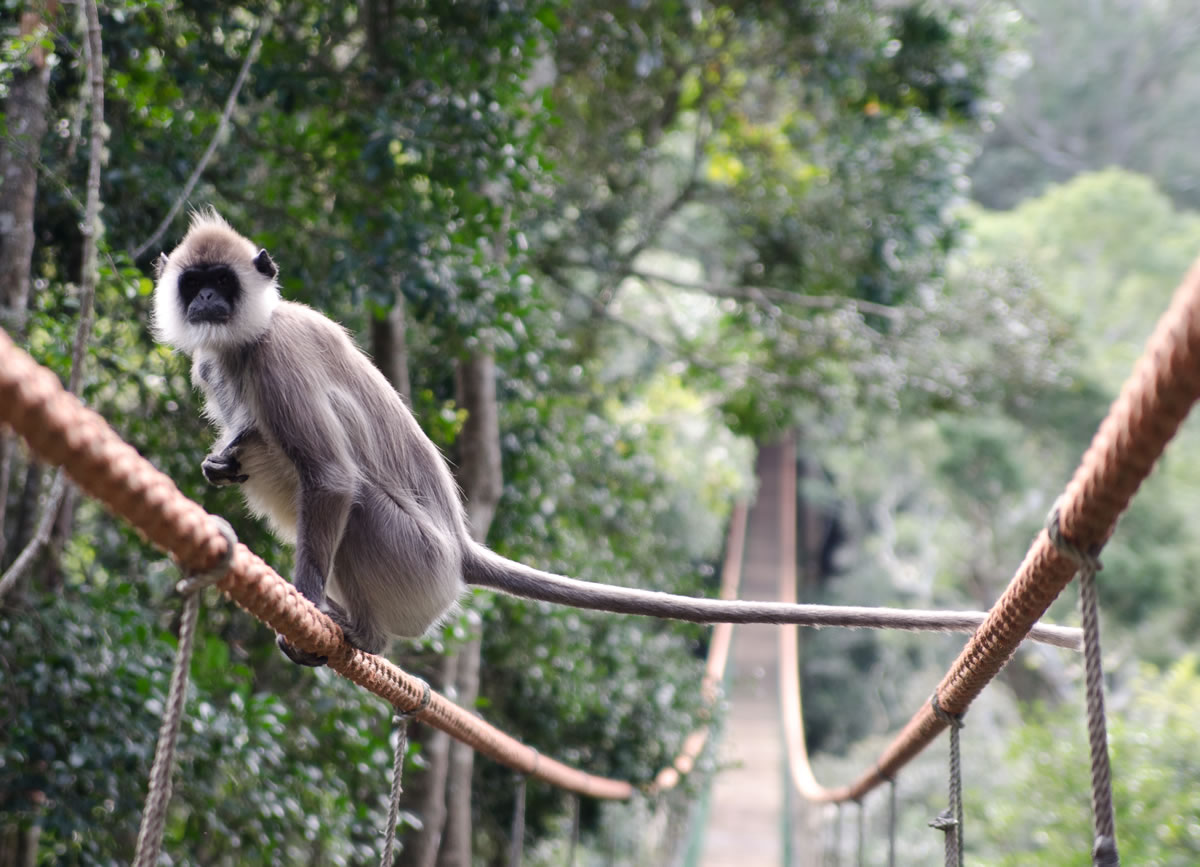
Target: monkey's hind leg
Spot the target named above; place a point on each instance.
(361, 635)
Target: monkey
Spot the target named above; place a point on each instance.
(324, 448)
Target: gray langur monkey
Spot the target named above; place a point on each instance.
(326, 450)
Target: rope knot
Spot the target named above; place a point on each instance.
(1083, 558)
(953, 720)
(194, 582)
(402, 716)
(1104, 852)
(944, 821)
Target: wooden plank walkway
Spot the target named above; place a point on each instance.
(748, 813)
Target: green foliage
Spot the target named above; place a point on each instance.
(1108, 247)
(1094, 84)
(807, 152)
(85, 680)
(1040, 812)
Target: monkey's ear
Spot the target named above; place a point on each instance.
(264, 264)
(159, 264)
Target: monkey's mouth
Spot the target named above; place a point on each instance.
(209, 316)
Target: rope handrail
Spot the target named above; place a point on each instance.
(60, 429)
(64, 432)
(1153, 402)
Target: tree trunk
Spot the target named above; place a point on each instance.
(482, 482)
(27, 506)
(427, 796)
(424, 792)
(389, 348)
(25, 114)
(8, 448)
(19, 845)
(88, 277)
(479, 472)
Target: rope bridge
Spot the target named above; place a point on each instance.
(1164, 385)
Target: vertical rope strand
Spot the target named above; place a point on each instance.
(956, 801)
(1104, 826)
(861, 846)
(389, 839)
(1104, 849)
(517, 847)
(575, 807)
(835, 849)
(400, 721)
(892, 822)
(158, 796)
(154, 814)
(950, 820)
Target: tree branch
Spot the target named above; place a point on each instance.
(87, 290)
(222, 124)
(760, 294)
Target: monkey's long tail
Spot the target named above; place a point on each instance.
(485, 568)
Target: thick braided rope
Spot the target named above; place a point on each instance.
(1154, 401)
(1104, 826)
(158, 796)
(400, 720)
(62, 431)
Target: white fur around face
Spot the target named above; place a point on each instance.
(210, 240)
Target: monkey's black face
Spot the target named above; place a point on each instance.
(209, 293)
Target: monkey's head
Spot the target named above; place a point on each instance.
(216, 290)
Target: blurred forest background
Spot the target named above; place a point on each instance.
(930, 236)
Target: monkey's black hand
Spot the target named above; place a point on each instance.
(223, 469)
(298, 656)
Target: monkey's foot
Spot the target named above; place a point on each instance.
(223, 469)
(368, 641)
(298, 656)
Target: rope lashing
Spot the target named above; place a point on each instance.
(1104, 847)
(154, 814)
(951, 820)
(400, 721)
